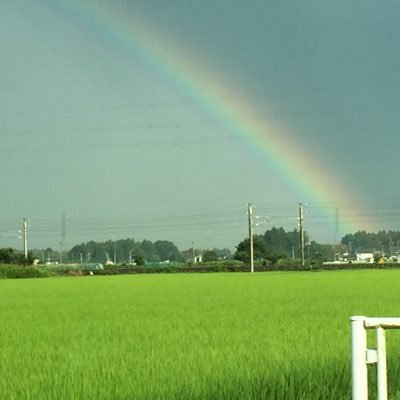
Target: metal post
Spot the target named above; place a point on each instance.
(361, 356)
(382, 369)
(358, 358)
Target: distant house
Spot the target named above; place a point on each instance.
(365, 257)
(198, 259)
(342, 257)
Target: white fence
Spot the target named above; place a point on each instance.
(361, 356)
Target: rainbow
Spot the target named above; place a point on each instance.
(266, 139)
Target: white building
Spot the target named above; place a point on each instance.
(365, 257)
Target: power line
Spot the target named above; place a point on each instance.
(190, 224)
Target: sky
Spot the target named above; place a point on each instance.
(162, 120)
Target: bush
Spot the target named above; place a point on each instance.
(19, 271)
(12, 256)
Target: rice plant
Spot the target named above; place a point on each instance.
(272, 336)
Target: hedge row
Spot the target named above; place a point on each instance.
(20, 271)
(115, 270)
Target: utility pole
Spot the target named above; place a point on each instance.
(250, 218)
(63, 235)
(115, 251)
(130, 256)
(301, 223)
(25, 237)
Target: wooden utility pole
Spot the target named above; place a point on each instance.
(301, 223)
(25, 237)
(250, 219)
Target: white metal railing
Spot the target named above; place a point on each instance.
(361, 356)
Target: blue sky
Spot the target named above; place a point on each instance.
(90, 130)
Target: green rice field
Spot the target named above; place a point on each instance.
(190, 336)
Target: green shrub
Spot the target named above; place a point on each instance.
(19, 271)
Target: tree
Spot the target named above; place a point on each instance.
(7, 255)
(223, 253)
(11, 256)
(274, 245)
(149, 250)
(139, 260)
(259, 248)
(167, 251)
(382, 241)
(124, 250)
(210, 255)
(360, 240)
(322, 252)
(279, 241)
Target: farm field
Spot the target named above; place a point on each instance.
(189, 336)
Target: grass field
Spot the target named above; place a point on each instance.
(188, 336)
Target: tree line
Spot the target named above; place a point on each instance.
(125, 251)
(385, 242)
(275, 245)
